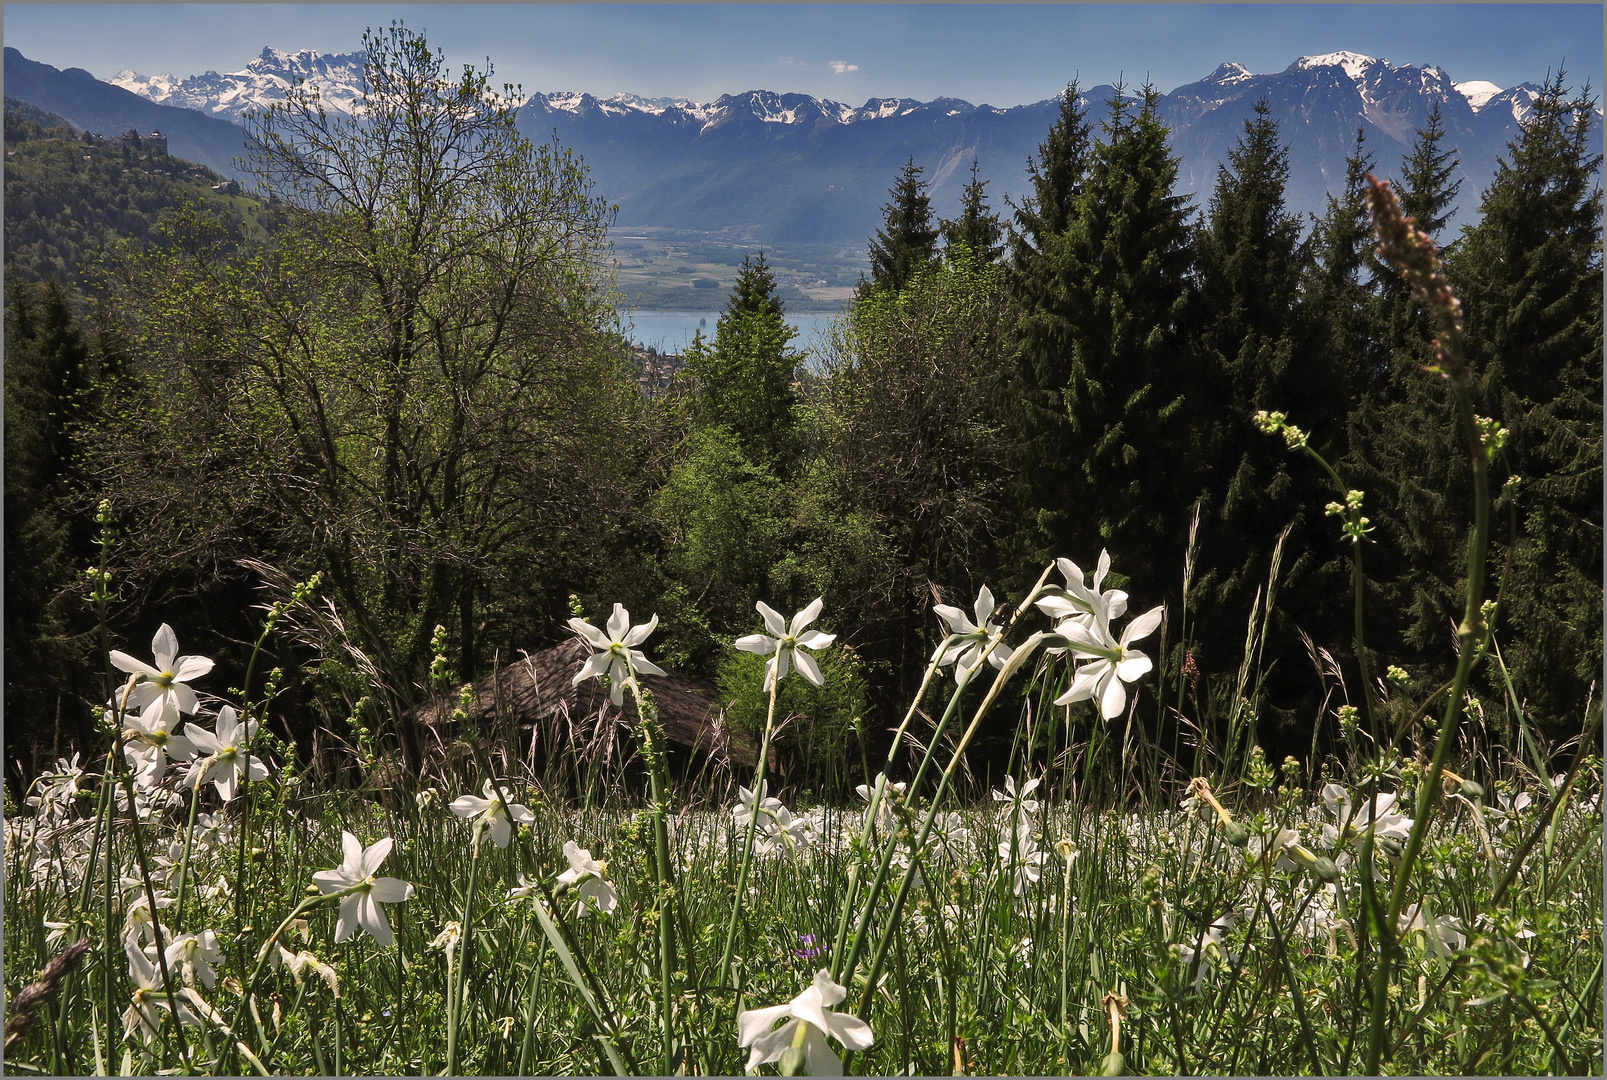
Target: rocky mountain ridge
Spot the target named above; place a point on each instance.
(766, 166)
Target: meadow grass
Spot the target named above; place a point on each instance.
(1410, 902)
(1032, 922)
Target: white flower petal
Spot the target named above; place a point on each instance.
(773, 620)
(618, 623)
(808, 668)
(389, 890)
(639, 634)
(807, 615)
(757, 643)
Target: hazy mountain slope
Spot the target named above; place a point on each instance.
(104, 109)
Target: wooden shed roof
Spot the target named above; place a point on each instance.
(537, 689)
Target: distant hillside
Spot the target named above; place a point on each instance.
(91, 105)
(67, 201)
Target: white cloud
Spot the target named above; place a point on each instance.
(839, 67)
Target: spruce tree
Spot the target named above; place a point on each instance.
(1056, 175)
(1427, 195)
(1426, 191)
(1040, 455)
(977, 230)
(48, 378)
(1530, 278)
(1343, 286)
(1125, 275)
(1254, 345)
(745, 376)
(1528, 275)
(907, 243)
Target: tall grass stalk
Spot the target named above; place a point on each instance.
(740, 898)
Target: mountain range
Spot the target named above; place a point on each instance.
(773, 167)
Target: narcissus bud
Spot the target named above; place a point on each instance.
(1115, 1064)
(1325, 868)
(1235, 834)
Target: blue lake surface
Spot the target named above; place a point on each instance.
(671, 331)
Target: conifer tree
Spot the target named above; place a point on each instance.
(908, 241)
(1254, 342)
(1426, 191)
(1427, 195)
(1056, 175)
(1343, 287)
(1530, 278)
(745, 377)
(48, 377)
(977, 229)
(1124, 271)
(1040, 455)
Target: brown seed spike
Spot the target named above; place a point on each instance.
(1415, 256)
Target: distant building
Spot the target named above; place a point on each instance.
(155, 142)
(228, 187)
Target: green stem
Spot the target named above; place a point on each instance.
(126, 779)
(1470, 635)
(454, 1006)
(663, 870)
(878, 791)
(748, 842)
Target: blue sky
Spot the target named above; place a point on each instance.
(996, 54)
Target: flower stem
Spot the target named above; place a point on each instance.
(663, 872)
(455, 989)
(747, 846)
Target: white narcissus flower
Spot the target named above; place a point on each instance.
(974, 637)
(743, 810)
(1111, 662)
(1441, 933)
(1081, 603)
(1029, 806)
(617, 655)
(149, 741)
(493, 812)
(225, 760)
(149, 996)
(1378, 814)
(168, 677)
(1208, 949)
(784, 641)
(588, 873)
(811, 1007)
(193, 956)
(362, 908)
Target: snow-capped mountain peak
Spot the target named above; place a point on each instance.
(338, 78)
(1355, 65)
(1478, 92)
(1229, 73)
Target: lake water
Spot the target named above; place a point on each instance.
(671, 331)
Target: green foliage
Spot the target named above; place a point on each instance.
(1125, 372)
(908, 241)
(911, 421)
(977, 232)
(50, 372)
(405, 389)
(744, 379)
(815, 740)
(725, 522)
(1528, 276)
(1255, 339)
(67, 202)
